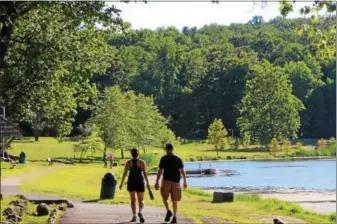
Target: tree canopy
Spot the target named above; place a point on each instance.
(56, 62)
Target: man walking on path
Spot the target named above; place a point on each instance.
(173, 169)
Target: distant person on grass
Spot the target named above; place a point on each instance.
(105, 161)
(173, 168)
(136, 183)
(111, 159)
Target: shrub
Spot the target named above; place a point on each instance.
(246, 140)
(274, 145)
(322, 144)
(299, 145)
(151, 159)
(286, 145)
(332, 141)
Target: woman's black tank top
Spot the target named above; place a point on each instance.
(136, 173)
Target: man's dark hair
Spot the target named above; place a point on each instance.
(134, 153)
(169, 146)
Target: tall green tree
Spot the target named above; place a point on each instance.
(269, 109)
(217, 135)
(51, 54)
(126, 120)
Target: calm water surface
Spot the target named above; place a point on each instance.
(305, 175)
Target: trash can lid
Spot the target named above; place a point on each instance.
(109, 176)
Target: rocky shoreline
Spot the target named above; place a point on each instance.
(321, 201)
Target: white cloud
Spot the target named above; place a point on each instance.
(179, 14)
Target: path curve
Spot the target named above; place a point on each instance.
(88, 213)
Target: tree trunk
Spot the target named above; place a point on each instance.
(37, 134)
(122, 153)
(81, 156)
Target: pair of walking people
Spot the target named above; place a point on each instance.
(172, 169)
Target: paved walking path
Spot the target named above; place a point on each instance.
(88, 213)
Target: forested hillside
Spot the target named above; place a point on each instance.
(197, 75)
(56, 63)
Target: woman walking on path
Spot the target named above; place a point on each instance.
(136, 183)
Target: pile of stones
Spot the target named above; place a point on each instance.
(13, 214)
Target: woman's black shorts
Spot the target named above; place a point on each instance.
(136, 187)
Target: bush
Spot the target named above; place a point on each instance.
(246, 140)
(150, 159)
(274, 145)
(332, 141)
(299, 145)
(286, 146)
(322, 144)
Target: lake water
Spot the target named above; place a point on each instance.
(304, 175)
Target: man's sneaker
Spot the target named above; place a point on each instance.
(168, 216)
(134, 219)
(174, 220)
(141, 218)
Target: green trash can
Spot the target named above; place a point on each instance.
(108, 187)
(22, 157)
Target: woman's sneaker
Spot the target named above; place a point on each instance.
(174, 220)
(134, 219)
(168, 216)
(141, 218)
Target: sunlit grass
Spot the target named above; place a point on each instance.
(19, 169)
(193, 151)
(84, 182)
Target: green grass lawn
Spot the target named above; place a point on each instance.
(84, 181)
(194, 151)
(44, 148)
(19, 169)
(29, 216)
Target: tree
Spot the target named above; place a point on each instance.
(126, 120)
(269, 109)
(55, 49)
(149, 123)
(112, 117)
(217, 135)
(92, 144)
(324, 39)
(75, 13)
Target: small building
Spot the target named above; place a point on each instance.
(8, 132)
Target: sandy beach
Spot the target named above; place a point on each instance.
(317, 201)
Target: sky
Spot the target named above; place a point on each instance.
(179, 14)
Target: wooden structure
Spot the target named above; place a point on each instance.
(219, 197)
(203, 172)
(8, 132)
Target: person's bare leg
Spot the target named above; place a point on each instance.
(133, 205)
(166, 203)
(140, 197)
(175, 208)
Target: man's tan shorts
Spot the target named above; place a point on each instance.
(170, 188)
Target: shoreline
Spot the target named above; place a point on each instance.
(317, 158)
(320, 201)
